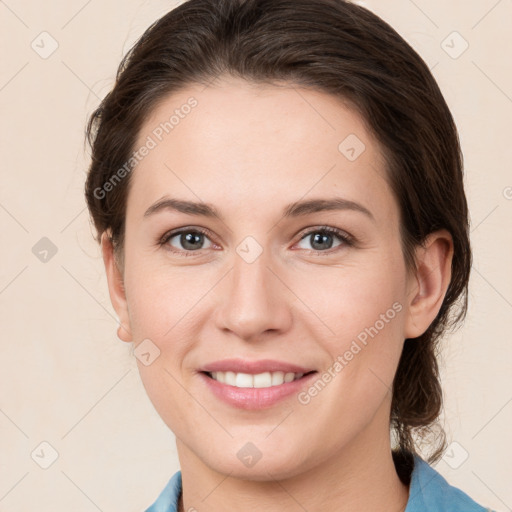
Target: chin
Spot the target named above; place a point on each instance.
(247, 462)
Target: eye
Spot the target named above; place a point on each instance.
(321, 239)
(186, 240)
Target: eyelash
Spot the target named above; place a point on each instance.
(346, 239)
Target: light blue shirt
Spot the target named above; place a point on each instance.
(428, 492)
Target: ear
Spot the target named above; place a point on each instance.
(116, 288)
(430, 282)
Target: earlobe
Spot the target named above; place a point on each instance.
(116, 288)
(431, 281)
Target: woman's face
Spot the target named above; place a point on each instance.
(261, 288)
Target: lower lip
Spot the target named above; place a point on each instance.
(255, 398)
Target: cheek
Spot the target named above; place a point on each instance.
(350, 298)
(163, 299)
(364, 351)
(362, 313)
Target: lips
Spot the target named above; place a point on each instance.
(254, 384)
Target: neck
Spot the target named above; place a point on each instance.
(357, 478)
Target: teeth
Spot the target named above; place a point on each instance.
(243, 380)
(230, 378)
(277, 378)
(260, 380)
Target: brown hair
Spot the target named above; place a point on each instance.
(341, 49)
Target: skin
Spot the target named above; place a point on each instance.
(250, 151)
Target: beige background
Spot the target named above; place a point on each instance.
(65, 378)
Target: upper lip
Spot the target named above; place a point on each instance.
(254, 367)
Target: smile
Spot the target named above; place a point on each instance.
(246, 395)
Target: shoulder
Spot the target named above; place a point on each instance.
(430, 491)
(167, 500)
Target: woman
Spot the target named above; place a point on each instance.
(277, 188)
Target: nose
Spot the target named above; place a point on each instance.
(255, 302)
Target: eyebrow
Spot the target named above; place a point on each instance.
(296, 209)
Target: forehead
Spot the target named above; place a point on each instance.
(237, 143)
